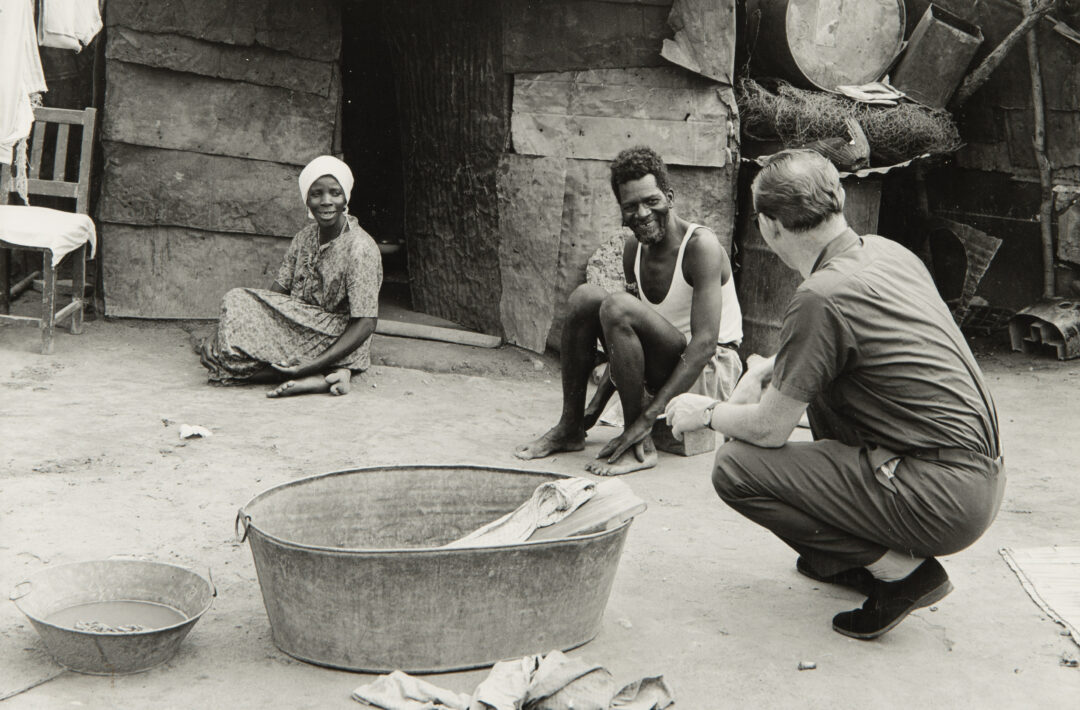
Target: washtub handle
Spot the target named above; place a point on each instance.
(210, 577)
(15, 595)
(243, 520)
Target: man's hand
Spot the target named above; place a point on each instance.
(633, 434)
(757, 377)
(686, 412)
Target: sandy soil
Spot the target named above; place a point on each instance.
(91, 466)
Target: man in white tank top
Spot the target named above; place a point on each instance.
(674, 331)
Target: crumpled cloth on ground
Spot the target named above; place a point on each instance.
(400, 691)
(551, 682)
(68, 24)
(60, 231)
(550, 502)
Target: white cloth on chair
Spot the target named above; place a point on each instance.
(62, 232)
(21, 76)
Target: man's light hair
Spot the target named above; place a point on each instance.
(798, 187)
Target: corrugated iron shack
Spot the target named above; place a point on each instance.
(479, 132)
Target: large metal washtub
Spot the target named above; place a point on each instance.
(352, 575)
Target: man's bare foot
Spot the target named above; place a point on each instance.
(643, 457)
(340, 381)
(304, 385)
(554, 441)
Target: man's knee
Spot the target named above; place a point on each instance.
(730, 477)
(618, 309)
(585, 298)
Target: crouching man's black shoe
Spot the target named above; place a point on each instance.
(890, 602)
(857, 578)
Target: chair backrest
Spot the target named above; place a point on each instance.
(52, 136)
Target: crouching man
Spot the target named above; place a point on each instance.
(906, 464)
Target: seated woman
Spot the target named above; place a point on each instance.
(312, 330)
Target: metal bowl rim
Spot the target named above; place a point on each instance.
(250, 525)
(180, 624)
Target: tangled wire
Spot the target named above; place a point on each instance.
(798, 116)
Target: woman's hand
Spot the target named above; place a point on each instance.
(686, 412)
(289, 370)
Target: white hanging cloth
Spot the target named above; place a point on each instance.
(68, 24)
(22, 74)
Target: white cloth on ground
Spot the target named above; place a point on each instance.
(68, 24)
(400, 691)
(537, 682)
(60, 231)
(550, 502)
(21, 76)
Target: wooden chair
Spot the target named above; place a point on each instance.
(56, 185)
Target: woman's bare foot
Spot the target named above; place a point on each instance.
(304, 385)
(340, 381)
(643, 457)
(554, 441)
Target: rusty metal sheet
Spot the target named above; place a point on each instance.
(574, 34)
(150, 272)
(530, 194)
(309, 29)
(180, 111)
(704, 40)
(150, 186)
(593, 115)
(254, 65)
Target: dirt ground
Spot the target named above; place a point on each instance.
(91, 466)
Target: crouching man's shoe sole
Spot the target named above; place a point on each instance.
(890, 602)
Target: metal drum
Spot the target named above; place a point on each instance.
(822, 44)
(352, 574)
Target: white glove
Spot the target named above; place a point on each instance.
(686, 412)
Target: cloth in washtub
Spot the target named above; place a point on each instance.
(551, 682)
(550, 502)
(62, 232)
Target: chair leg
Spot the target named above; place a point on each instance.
(5, 281)
(78, 288)
(48, 303)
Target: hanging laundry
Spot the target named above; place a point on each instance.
(22, 74)
(68, 24)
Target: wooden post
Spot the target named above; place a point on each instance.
(1046, 180)
(978, 77)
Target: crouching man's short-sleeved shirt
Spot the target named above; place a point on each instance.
(868, 332)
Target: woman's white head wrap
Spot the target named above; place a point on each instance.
(325, 165)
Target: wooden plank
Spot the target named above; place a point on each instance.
(37, 144)
(530, 221)
(60, 156)
(165, 109)
(310, 29)
(53, 189)
(167, 272)
(560, 35)
(150, 186)
(594, 115)
(423, 331)
(704, 40)
(454, 114)
(254, 65)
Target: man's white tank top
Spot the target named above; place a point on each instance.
(675, 308)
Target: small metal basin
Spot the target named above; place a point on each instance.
(353, 577)
(53, 592)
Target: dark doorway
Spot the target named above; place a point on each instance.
(371, 139)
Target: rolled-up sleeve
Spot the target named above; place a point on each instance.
(816, 346)
(363, 279)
